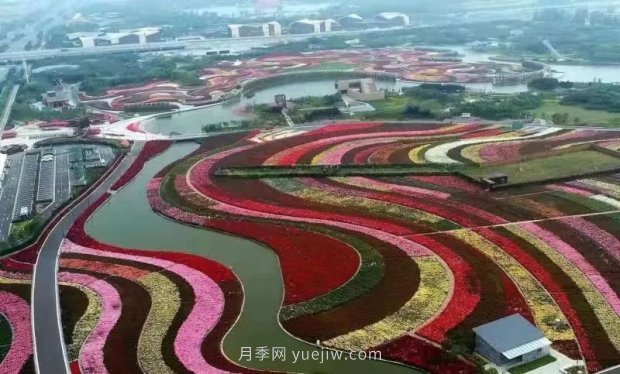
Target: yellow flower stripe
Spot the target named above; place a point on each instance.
(542, 305)
(416, 155)
(319, 158)
(165, 303)
(87, 322)
(435, 284)
(373, 206)
(603, 311)
(473, 153)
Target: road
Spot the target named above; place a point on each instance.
(218, 44)
(8, 193)
(6, 113)
(50, 354)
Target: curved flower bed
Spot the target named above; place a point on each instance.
(133, 327)
(427, 301)
(150, 150)
(447, 255)
(16, 310)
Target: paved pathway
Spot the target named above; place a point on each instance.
(49, 349)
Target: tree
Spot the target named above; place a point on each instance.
(544, 84)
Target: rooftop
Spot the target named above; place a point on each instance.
(512, 336)
(390, 15)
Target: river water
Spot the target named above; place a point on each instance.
(127, 220)
(192, 122)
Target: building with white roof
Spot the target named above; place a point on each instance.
(352, 20)
(511, 341)
(312, 26)
(142, 35)
(393, 19)
(272, 28)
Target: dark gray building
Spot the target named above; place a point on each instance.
(511, 341)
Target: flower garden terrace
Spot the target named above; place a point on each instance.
(226, 77)
(403, 264)
(408, 264)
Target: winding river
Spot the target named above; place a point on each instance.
(127, 220)
(192, 121)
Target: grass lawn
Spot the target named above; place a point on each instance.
(393, 106)
(533, 365)
(585, 116)
(550, 167)
(327, 66)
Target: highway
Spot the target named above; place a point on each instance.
(6, 113)
(218, 44)
(50, 355)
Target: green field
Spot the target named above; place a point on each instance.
(583, 116)
(533, 365)
(327, 66)
(394, 106)
(566, 165)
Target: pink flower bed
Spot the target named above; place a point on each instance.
(452, 182)
(135, 127)
(570, 190)
(290, 156)
(602, 238)
(91, 353)
(17, 312)
(207, 310)
(161, 206)
(578, 260)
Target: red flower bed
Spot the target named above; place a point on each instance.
(552, 285)
(312, 264)
(75, 367)
(414, 351)
(150, 150)
(483, 133)
(263, 198)
(465, 297)
(217, 272)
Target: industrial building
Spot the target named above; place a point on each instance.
(143, 35)
(511, 341)
(351, 21)
(392, 19)
(313, 26)
(255, 30)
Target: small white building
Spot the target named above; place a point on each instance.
(511, 341)
(312, 26)
(394, 19)
(352, 20)
(272, 28)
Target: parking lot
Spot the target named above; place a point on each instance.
(40, 181)
(8, 193)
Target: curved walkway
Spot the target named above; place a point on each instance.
(50, 354)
